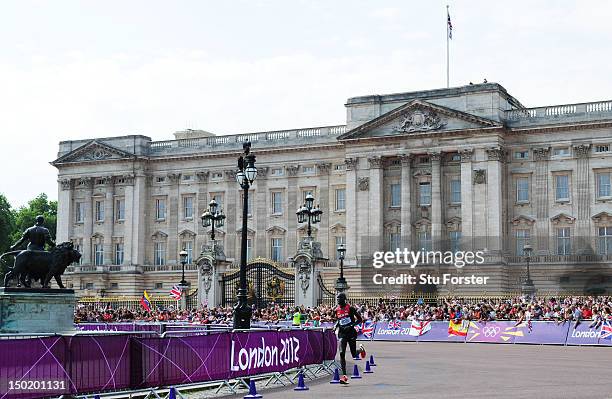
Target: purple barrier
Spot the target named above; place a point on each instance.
(499, 332)
(542, 332)
(36, 359)
(99, 363)
(439, 331)
(85, 364)
(583, 335)
(395, 330)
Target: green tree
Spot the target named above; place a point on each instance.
(26, 216)
(7, 226)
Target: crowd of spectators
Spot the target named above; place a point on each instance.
(519, 309)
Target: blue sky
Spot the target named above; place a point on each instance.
(84, 69)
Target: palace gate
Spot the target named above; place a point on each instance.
(266, 283)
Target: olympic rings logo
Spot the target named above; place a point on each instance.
(490, 331)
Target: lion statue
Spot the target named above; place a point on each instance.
(42, 265)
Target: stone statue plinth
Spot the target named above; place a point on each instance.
(31, 310)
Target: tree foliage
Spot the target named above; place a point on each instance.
(7, 227)
(26, 216)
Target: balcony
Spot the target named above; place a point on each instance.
(559, 114)
(315, 135)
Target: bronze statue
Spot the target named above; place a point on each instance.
(37, 235)
(36, 264)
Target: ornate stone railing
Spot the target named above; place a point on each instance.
(235, 141)
(567, 259)
(588, 111)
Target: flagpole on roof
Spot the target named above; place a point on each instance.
(448, 33)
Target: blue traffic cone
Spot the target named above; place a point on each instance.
(367, 370)
(253, 392)
(96, 396)
(372, 361)
(301, 386)
(355, 372)
(171, 394)
(336, 379)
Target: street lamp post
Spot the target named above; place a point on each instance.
(213, 217)
(309, 213)
(183, 254)
(245, 176)
(341, 284)
(528, 287)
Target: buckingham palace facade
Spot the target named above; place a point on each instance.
(464, 167)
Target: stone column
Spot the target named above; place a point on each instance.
(583, 200)
(233, 206)
(139, 203)
(406, 217)
(351, 210)
(128, 225)
(495, 181)
(65, 217)
(306, 285)
(467, 198)
(87, 183)
(323, 198)
(376, 204)
(202, 205)
(541, 156)
(436, 200)
(262, 210)
(173, 215)
(292, 204)
(109, 220)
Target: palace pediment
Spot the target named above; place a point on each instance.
(94, 151)
(416, 118)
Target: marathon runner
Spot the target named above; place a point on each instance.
(346, 320)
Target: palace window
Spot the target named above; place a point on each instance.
(603, 185)
(160, 209)
(425, 194)
(80, 212)
(159, 253)
(562, 188)
(424, 240)
(522, 189)
(188, 207)
(120, 210)
(396, 195)
(561, 152)
(187, 178)
(98, 254)
(340, 240)
(395, 241)
(249, 203)
(114, 286)
(277, 172)
(604, 246)
(602, 148)
(159, 286)
(218, 197)
(455, 157)
(79, 248)
(522, 239)
(340, 199)
(99, 211)
(340, 167)
(276, 250)
(521, 154)
(188, 247)
(277, 203)
(160, 179)
(119, 253)
(455, 191)
(563, 241)
(454, 241)
(308, 170)
(249, 248)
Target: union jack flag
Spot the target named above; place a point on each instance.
(176, 292)
(366, 329)
(394, 325)
(606, 330)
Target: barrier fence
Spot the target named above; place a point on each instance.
(500, 332)
(84, 364)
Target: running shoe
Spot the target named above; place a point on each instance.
(344, 380)
(362, 351)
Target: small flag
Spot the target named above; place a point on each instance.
(450, 25)
(606, 330)
(458, 327)
(176, 292)
(145, 301)
(394, 325)
(419, 328)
